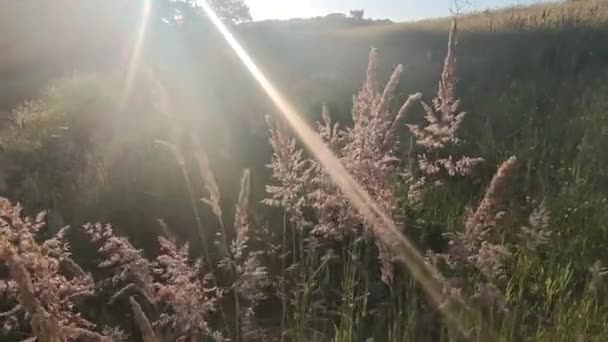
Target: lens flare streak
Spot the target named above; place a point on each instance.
(136, 52)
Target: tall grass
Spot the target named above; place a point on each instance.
(518, 241)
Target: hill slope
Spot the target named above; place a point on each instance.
(524, 73)
(126, 145)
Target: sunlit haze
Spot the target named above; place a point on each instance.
(397, 10)
(303, 170)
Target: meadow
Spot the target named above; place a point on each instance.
(478, 140)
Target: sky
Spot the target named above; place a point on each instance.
(396, 10)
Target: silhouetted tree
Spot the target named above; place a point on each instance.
(357, 14)
(175, 11)
(234, 10)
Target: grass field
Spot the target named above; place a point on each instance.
(507, 204)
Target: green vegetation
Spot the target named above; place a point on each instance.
(158, 151)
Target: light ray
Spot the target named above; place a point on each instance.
(136, 52)
(358, 197)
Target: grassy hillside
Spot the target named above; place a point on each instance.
(545, 38)
(522, 239)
